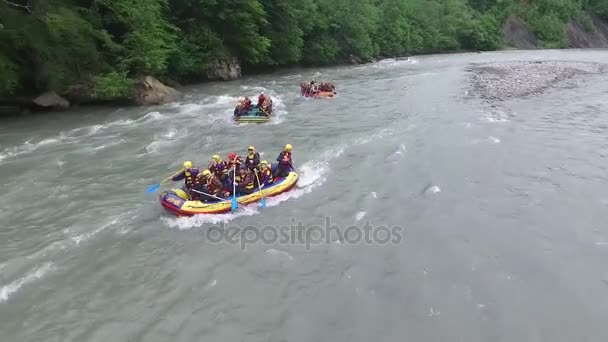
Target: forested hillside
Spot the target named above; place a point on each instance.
(53, 44)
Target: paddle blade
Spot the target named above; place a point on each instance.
(234, 203)
(153, 188)
(263, 203)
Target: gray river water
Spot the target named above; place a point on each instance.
(497, 215)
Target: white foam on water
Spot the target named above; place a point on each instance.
(374, 194)
(433, 189)
(360, 215)
(497, 116)
(221, 100)
(36, 274)
(185, 223)
(152, 116)
(279, 253)
(88, 235)
(170, 134)
(494, 140)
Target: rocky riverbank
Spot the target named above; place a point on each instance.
(508, 80)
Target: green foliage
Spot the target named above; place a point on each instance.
(113, 85)
(585, 21)
(60, 42)
(9, 78)
(550, 30)
(599, 8)
(485, 34)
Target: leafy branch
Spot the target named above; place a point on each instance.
(26, 7)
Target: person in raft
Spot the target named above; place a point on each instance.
(243, 107)
(252, 161)
(234, 162)
(188, 174)
(245, 181)
(216, 160)
(265, 174)
(285, 162)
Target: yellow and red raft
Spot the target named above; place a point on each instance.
(176, 200)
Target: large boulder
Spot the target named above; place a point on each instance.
(82, 92)
(51, 100)
(224, 69)
(150, 91)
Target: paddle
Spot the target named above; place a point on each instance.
(204, 193)
(262, 200)
(152, 188)
(235, 204)
(293, 168)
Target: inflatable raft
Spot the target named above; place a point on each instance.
(253, 115)
(176, 200)
(324, 95)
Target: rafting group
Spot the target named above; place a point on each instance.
(234, 177)
(317, 90)
(245, 111)
(224, 184)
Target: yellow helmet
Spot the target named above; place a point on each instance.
(288, 147)
(264, 162)
(188, 164)
(251, 148)
(206, 173)
(216, 157)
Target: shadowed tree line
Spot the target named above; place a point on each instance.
(52, 44)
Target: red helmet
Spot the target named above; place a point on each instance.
(231, 155)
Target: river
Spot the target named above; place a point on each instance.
(496, 214)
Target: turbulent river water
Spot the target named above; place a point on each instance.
(495, 214)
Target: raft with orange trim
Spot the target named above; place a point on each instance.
(176, 200)
(324, 95)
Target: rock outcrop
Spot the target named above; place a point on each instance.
(578, 37)
(150, 91)
(224, 69)
(517, 34)
(51, 100)
(82, 92)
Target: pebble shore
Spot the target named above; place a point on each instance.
(509, 80)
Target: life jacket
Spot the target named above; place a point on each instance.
(249, 186)
(188, 178)
(250, 158)
(267, 176)
(211, 185)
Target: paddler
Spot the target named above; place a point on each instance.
(215, 161)
(265, 174)
(187, 174)
(234, 161)
(252, 161)
(214, 186)
(285, 163)
(245, 182)
(261, 100)
(200, 185)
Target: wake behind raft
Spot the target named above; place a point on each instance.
(176, 200)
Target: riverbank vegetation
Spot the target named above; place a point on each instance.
(108, 44)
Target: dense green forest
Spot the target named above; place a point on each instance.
(51, 44)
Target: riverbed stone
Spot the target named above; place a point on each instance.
(51, 99)
(224, 69)
(151, 91)
(509, 80)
